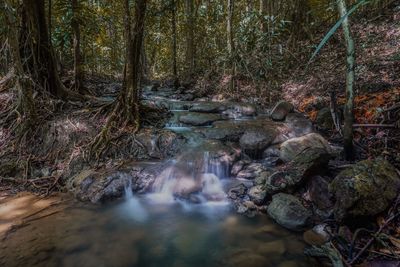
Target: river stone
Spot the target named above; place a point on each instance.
(208, 107)
(308, 163)
(293, 147)
(255, 141)
(324, 119)
(257, 194)
(320, 196)
(199, 119)
(298, 124)
(250, 171)
(280, 110)
(237, 191)
(289, 212)
(365, 189)
(224, 131)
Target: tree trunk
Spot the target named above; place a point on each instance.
(173, 25)
(130, 99)
(37, 53)
(230, 44)
(189, 10)
(78, 67)
(49, 18)
(349, 106)
(263, 12)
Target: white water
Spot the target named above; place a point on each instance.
(191, 180)
(132, 207)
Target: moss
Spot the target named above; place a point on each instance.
(367, 188)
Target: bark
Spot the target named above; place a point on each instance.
(36, 51)
(189, 10)
(349, 105)
(230, 44)
(78, 66)
(173, 25)
(49, 18)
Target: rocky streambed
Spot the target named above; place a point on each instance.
(270, 165)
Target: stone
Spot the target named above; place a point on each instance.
(281, 110)
(324, 119)
(316, 236)
(250, 171)
(293, 147)
(257, 194)
(199, 119)
(237, 191)
(255, 141)
(365, 189)
(208, 107)
(308, 163)
(238, 166)
(319, 194)
(298, 124)
(289, 212)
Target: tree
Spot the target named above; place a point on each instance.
(78, 66)
(230, 43)
(189, 10)
(126, 111)
(263, 12)
(174, 52)
(37, 52)
(349, 106)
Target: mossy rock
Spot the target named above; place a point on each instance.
(365, 189)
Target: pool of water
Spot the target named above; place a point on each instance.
(140, 232)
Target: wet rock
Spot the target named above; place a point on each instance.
(250, 171)
(255, 141)
(224, 131)
(208, 107)
(281, 110)
(319, 194)
(365, 189)
(200, 119)
(299, 125)
(237, 191)
(303, 166)
(317, 235)
(238, 166)
(288, 211)
(257, 194)
(262, 177)
(324, 119)
(272, 152)
(293, 147)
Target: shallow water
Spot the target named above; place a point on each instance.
(138, 232)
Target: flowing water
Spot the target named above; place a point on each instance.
(186, 221)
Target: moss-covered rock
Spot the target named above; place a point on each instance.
(365, 189)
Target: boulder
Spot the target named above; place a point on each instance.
(255, 141)
(319, 194)
(208, 107)
(238, 191)
(224, 131)
(324, 119)
(293, 147)
(365, 189)
(250, 171)
(281, 110)
(308, 163)
(257, 194)
(289, 212)
(298, 125)
(199, 119)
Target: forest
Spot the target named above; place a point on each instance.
(200, 133)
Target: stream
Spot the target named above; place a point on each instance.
(186, 220)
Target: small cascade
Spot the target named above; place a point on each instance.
(194, 178)
(132, 206)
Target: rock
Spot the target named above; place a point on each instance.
(316, 236)
(365, 189)
(272, 152)
(262, 177)
(293, 147)
(272, 248)
(250, 171)
(257, 194)
(288, 211)
(324, 119)
(302, 167)
(200, 119)
(224, 131)
(237, 191)
(280, 110)
(208, 107)
(235, 110)
(298, 124)
(255, 141)
(320, 196)
(238, 166)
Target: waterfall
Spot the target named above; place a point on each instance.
(132, 206)
(194, 177)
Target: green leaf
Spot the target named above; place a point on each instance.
(335, 27)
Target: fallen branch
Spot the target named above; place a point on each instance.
(374, 126)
